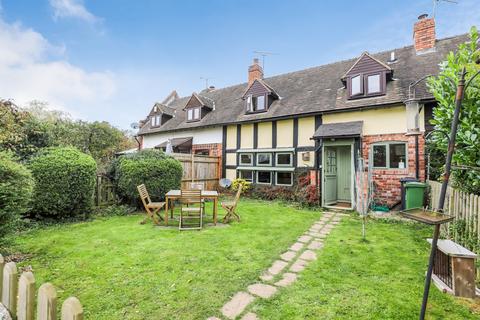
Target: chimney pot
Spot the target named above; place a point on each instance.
(422, 16)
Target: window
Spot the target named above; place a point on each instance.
(264, 177)
(246, 158)
(284, 159)
(284, 178)
(373, 84)
(391, 155)
(264, 159)
(193, 114)
(246, 175)
(356, 84)
(256, 104)
(152, 121)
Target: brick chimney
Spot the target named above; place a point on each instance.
(255, 71)
(424, 33)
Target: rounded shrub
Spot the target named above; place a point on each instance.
(64, 182)
(158, 171)
(16, 186)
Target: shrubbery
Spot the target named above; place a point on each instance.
(159, 172)
(16, 186)
(241, 182)
(64, 182)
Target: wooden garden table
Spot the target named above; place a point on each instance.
(172, 195)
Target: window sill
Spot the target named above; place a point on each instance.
(255, 112)
(363, 96)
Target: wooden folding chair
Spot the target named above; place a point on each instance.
(231, 206)
(152, 208)
(191, 212)
(199, 186)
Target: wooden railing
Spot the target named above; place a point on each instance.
(466, 210)
(18, 297)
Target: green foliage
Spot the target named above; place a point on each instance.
(64, 182)
(159, 172)
(16, 186)
(467, 151)
(244, 184)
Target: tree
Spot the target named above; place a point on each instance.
(443, 87)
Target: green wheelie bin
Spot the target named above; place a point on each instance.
(414, 195)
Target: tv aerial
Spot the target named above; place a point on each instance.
(206, 81)
(436, 2)
(264, 54)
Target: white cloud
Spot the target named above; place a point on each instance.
(72, 9)
(31, 68)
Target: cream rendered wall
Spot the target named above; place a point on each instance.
(231, 174)
(246, 141)
(231, 137)
(375, 121)
(264, 135)
(285, 133)
(200, 136)
(309, 163)
(306, 129)
(231, 159)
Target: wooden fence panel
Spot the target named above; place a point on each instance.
(47, 302)
(10, 288)
(196, 168)
(26, 296)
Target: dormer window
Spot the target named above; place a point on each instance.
(156, 120)
(256, 103)
(367, 77)
(193, 114)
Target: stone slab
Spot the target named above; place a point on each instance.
(277, 267)
(288, 279)
(237, 305)
(250, 316)
(213, 318)
(298, 266)
(264, 291)
(266, 276)
(304, 239)
(288, 256)
(308, 255)
(315, 245)
(297, 246)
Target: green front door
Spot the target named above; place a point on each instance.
(344, 173)
(330, 171)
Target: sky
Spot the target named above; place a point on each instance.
(113, 59)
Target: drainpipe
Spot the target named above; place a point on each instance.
(413, 109)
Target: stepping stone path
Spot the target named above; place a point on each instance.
(297, 257)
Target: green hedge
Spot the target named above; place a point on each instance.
(158, 171)
(64, 182)
(16, 186)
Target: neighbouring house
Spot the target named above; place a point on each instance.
(318, 121)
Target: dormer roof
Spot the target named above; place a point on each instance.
(366, 63)
(197, 100)
(259, 86)
(163, 109)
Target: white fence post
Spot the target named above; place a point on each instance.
(47, 302)
(10, 288)
(2, 264)
(72, 309)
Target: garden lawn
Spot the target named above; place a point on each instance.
(120, 269)
(379, 279)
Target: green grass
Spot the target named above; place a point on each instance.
(120, 269)
(382, 278)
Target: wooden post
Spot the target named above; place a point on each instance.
(26, 296)
(47, 302)
(10, 288)
(72, 309)
(2, 264)
(193, 170)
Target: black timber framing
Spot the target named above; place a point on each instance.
(224, 151)
(274, 134)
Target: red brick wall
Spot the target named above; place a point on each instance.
(387, 181)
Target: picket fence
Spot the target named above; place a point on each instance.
(18, 297)
(464, 207)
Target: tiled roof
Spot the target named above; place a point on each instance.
(342, 129)
(316, 90)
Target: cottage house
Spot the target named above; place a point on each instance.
(317, 121)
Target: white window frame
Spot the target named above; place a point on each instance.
(282, 184)
(387, 154)
(240, 159)
(265, 183)
(379, 83)
(284, 165)
(158, 120)
(241, 177)
(264, 165)
(360, 79)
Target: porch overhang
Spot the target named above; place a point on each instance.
(339, 130)
(176, 142)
